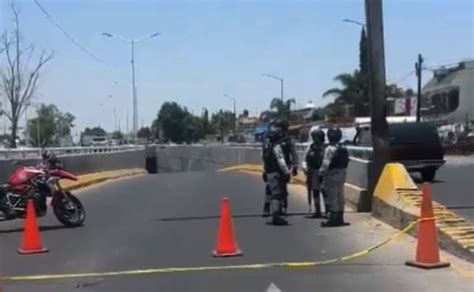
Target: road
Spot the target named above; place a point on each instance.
(170, 220)
(454, 186)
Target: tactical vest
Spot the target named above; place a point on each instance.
(340, 159)
(285, 144)
(270, 163)
(314, 157)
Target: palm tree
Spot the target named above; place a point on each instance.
(351, 92)
(282, 108)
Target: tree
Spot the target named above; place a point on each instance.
(19, 80)
(350, 93)
(282, 108)
(245, 113)
(392, 90)
(96, 131)
(171, 121)
(223, 122)
(118, 135)
(144, 133)
(49, 126)
(155, 129)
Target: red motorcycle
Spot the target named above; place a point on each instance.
(38, 183)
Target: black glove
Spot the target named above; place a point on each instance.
(294, 171)
(286, 178)
(264, 177)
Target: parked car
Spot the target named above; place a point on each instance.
(100, 141)
(416, 145)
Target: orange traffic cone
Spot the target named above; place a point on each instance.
(226, 245)
(31, 242)
(427, 251)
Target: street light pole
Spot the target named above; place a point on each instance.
(354, 22)
(281, 89)
(134, 93)
(235, 113)
(281, 83)
(132, 43)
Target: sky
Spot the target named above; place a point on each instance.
(207, 49)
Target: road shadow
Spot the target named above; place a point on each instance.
(41, 228)
(459, 207)
(419, 180)
(237, 216)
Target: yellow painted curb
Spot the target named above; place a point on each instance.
(397, 200)
(257, 169)
(98, 177)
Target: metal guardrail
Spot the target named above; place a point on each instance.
(25, 153)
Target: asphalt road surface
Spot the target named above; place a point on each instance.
(170, 220)
(454, 186)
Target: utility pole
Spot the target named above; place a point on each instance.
(379, 126)
(418, 68)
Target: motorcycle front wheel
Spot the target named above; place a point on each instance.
(69, 210)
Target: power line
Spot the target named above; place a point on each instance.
(66, 34)
(403, 77)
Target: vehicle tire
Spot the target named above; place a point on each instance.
(428, 174)
(69, 211)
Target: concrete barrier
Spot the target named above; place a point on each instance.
(358, 187)
(397, 202)
(85, 163)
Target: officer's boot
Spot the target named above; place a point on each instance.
(327, 211)
(266, 210)
(277, 218)
(340, 219)
(332, 221)
(317, 211)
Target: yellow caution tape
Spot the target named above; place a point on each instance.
(214, 268)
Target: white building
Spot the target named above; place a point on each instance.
(449, 95)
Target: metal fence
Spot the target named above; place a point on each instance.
(25, 153)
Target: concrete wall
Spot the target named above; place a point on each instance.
(197, 158)
(85, 163)
(358, 187)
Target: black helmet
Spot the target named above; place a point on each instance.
(273, 134)
(277, 130)
(318, 136)
(45, 154)
(280, 123)
(334, 135)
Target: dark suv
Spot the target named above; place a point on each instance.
(416, 145)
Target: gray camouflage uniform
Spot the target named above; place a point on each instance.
(333, 180)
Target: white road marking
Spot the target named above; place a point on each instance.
(273, 288)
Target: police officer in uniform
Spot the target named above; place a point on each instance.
(333, 171)
(280, 161)
(266, 146)
(313, 159)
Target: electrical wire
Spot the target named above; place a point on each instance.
(404, 77)
(66, 34)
